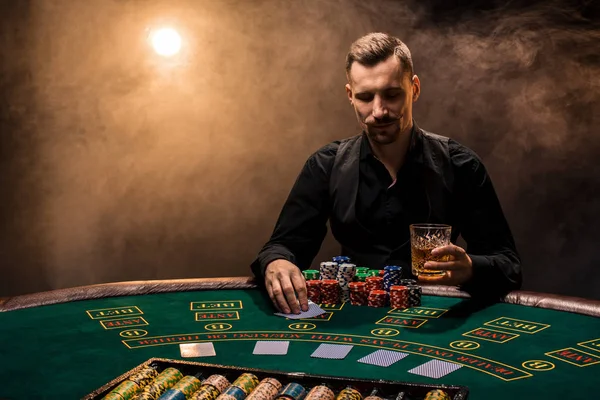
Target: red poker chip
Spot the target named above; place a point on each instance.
(358, 286)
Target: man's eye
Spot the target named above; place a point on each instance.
(364, 98)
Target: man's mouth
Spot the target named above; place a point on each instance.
(384, 125)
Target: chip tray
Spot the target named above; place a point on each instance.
(386, 389)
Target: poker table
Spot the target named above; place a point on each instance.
(67, 343)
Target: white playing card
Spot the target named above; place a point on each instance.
(313, 311)
(435, 369)
(383, 358)
(334, 351)
(197, 349)
(271, 347)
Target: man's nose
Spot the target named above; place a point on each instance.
(379, 108)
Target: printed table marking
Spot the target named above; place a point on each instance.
(520, 322)
(302, 326)
(510, 335)
(389, 323)
(227, 315)
(133, 333)
(465, 359)
(538, 365)
(322, 317)
(409, 311)
(114, 312)
(219, 304)
(575, 352)
(465, 345)
(332, 307)
(385, 332)
(595, 344)
(120, 323)
(218, 327)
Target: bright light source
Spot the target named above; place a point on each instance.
(166, 42)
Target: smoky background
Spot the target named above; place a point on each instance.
(118, 164)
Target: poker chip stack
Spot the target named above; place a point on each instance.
(328, 270)
(330, 291)
(320, 392)
(359, 294)
(313, 289)
(133, 385)
(361, 276)
(391, 277)
(311, 274)
(240, 388)
(346, 272)
(374, 283)
(349, 393)
(414, 295)
(377, 298)
(292, 391)
(267, 389)
(211, 388)
(187, 386)
(373, 272)
(341, 259)
(164, 381)
(399, 297)
(437, 394)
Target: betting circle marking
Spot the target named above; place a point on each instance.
(133, 333)
(302, 327)
(385, 332)
(538, 365)
(218, 327)
(464, 345)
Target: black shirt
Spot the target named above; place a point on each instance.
(386, 208)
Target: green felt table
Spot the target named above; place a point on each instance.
(67, 350)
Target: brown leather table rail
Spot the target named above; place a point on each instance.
(132, 288)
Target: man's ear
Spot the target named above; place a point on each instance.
(416, 87)
(349, 92)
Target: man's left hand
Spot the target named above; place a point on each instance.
(459, 267)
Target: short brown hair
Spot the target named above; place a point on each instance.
(374, 48)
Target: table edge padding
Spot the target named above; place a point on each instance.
(131, 288)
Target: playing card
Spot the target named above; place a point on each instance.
(268, 347)
(382, 358)
(197, 349)
(335, 351)
(313, 311)
(435, 369)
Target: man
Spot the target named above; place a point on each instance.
(371, 187)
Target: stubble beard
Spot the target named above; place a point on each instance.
(384, 137)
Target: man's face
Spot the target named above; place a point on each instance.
(382, 96)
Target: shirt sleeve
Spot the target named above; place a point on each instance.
(490, 243)
(302, 223)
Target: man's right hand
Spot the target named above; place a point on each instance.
(283, 281)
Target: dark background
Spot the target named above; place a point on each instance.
(117, 164)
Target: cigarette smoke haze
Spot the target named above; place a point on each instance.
(117, 164)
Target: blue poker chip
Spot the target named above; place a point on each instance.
(341, 259)
(392, 268)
